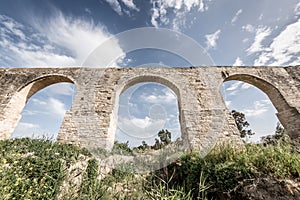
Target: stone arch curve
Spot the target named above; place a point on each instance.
(128, 82)
(12, 112)
(149, 78)
(287, 115)
(270, 90)
(40, 83)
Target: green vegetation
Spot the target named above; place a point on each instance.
(242, 124)
(226, 168)
(34, 168)
(39, 169)
(124, 149)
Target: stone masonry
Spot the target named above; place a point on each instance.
(203, 116)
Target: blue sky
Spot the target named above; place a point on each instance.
(63, 33)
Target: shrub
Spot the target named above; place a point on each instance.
(224, 168)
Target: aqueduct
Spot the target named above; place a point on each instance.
(203, 116)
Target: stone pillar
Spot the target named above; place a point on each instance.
(12, 112)
(86, 123)
(290, 119)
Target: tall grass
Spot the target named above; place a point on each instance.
(33, 168)
(37, 169)
(225, 168)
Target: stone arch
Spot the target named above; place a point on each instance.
(42, 82)
(288, 116)
(122, 86)
(150, 78)
(12, 112)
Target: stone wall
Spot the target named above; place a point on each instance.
(203, 116)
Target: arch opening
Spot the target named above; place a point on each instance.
(147, 105)
(273, 94)
(37, 109)
(43, 82)
(258, 100)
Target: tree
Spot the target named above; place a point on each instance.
(277, 137)
(164, 139)
(241, 123)
(157, 144)
(164, 136)
(122, 148)
(279, 132)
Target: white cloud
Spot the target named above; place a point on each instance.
(246, 86)
(115, 5)
(233, 93)
(141, 123)
(238, 62)
(234, 86)
(26, 126)
(56, 107)
(211, 39)
(25, 129)
(167, 98)
(13, 27)
(163, 10)
(62, 89)
(228, 103)
(140, 127)
(245, 40)
(154, 17)
(284, 49)
(261, 34)
(31, 130)
(87, 10)
(56, 41)
(297, 9)
(51, 106)
(130, 4)
(237, 14)
(259, 108)
(248, 28)
(38, 101)
(20, 46)
(29, 112)
(77, 36)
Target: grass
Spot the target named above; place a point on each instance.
(225, 168)
(41, 169)
(34, 168)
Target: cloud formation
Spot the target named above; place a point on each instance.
(259, 108)
(26, 129)
(234, 86)
(50, 106)
(238, 62)
(116, 6)
(67, 89)
(249, 28)
(211, 39)
(56, 41)
(163, 10)
(261, 33)
(284, 49)
(236, 16)
(56, 107)
(19, 49)
(297, 9)
(168, 97)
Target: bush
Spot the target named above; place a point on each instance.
(36, 169)
(33, 168)
(224, 168)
